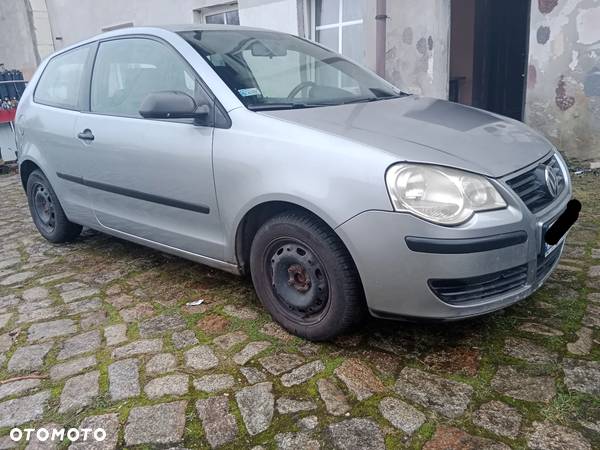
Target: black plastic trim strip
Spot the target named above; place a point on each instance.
(462, 246)
(136, 194)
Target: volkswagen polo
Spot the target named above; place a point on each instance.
(262, 153)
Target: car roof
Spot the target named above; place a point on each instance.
(159, 30)
(207, 27)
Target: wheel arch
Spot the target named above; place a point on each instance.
(25, 169)
(256, 216)
(252, 220)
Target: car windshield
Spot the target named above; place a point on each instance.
(269, 70)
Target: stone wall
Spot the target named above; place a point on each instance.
(563, 85)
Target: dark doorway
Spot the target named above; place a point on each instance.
(488, 55)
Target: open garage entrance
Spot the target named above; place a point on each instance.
(488, 54)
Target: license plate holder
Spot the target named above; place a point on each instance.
(547, 248)
(559, 227)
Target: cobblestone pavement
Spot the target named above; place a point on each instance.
(97, 334)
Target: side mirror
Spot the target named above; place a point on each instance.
(172, 105)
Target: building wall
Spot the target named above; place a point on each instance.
(418, 37)
(25, 36)
(563, 85)
(280, 15)
(42, 29)
(86, 18)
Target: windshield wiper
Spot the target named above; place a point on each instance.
(276, 106)
(363, 100)
(292, 105)
(375, 99)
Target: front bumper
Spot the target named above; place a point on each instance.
(401, 282)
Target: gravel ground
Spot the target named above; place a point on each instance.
(97, 334)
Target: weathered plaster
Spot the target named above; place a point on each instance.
(588, 26)
(543, 34)
(563, 88)
(417, 46)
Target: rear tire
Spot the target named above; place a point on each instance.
(305, 277)
(46, 211)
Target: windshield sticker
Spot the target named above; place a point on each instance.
(249, 92)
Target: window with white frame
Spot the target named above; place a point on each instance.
(338, 24)
(223, 15)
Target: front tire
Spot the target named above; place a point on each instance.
(305, 277)
(46, 211)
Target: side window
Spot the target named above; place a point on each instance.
(127, 70)
(61, 82)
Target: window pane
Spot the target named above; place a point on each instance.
(216, 18)
(352, 10)
(61, 81)
(326, 75)
(233, 17)
(329, 38)
(327, 12)
(127, 70)
(274, 80)
(353, 43)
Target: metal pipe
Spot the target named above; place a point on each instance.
(380, 37)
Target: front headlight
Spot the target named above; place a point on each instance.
(439, 194)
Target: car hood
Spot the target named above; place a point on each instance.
(446, 133)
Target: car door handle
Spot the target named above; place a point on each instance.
(86, 135)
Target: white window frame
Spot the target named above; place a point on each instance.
(216, 10)
(340, 24)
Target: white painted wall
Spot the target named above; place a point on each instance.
(18, 38)
(75, 20)
(41, 24)
(280, 15)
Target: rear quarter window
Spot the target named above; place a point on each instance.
(62, 79)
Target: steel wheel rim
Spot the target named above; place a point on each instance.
(298, 279)
(43, 207)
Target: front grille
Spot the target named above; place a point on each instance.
(545, 265)
(531, 185)
(462, 290)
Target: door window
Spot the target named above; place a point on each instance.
(127, 70)
(61, 82)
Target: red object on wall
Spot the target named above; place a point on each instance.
(7, 115)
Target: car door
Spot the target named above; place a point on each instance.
(151, 179)
(47, 126)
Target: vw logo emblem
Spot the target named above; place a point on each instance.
(551, 181)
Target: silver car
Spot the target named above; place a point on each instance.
(261, 153)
